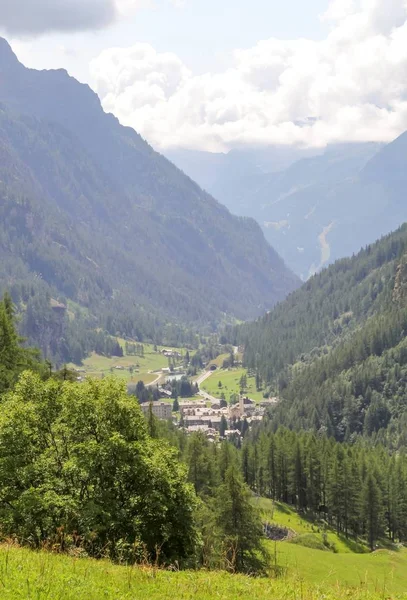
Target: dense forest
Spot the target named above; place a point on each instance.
(335, 350)
(360, 489)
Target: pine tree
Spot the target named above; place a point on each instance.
(371, 510)
(240, 525)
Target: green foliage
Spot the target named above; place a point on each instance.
(14, 358)
(240, 526)
(77, 465)
(359, 490)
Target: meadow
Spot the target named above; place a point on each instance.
(230, 381)
(133, 368)
(25, 574)
(346, 562)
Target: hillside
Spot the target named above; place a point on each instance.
(104, 221)
(317, 208)
(335, 350)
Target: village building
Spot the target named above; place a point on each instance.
(161, 410)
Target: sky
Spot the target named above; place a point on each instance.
(211, 75)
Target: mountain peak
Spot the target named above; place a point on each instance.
(7, 56)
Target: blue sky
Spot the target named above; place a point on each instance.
(203, 33)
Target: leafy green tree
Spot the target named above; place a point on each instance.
(77, 458)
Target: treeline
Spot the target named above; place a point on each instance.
(360, 489)
(71, 335)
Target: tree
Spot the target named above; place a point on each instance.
(175, 406)
(223, 426)
(77, 458)
(14, 359)
(371, 509)
(240, 526)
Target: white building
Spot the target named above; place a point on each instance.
(161, 410)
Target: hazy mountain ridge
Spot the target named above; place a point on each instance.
(322, 207)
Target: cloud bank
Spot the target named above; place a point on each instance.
(351, 86)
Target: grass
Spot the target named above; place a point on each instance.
(97, 365)
(230, 384)
(41, 576)
(284, 515)
(383, 571)
(306, 559)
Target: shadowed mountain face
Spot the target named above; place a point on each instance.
(319, 208)
(103, 218)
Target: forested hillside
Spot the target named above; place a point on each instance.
(335, 350)
(91, 214)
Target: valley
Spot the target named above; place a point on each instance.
(203, 344)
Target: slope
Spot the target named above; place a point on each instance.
(116, 221)
(336, 349)
(60, 577)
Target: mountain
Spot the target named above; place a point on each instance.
(336, 349)
(321, 208)
(91, 210)
(224, 173)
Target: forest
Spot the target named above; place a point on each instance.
(335, 351)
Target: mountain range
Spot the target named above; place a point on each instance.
(90, 211)
(314, 206)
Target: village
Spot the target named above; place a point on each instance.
(206, 413)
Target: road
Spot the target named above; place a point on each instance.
(156, 381)
(203, 377)
(201, 392)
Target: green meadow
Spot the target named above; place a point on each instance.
(230, 381)
(133, 368)
(345, 562)
(25, 574)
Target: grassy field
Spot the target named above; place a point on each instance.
(143, 367)
(383, 572)
(284, 515)
(28, 575)
(230, 384)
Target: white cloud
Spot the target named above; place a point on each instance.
(350, 86)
